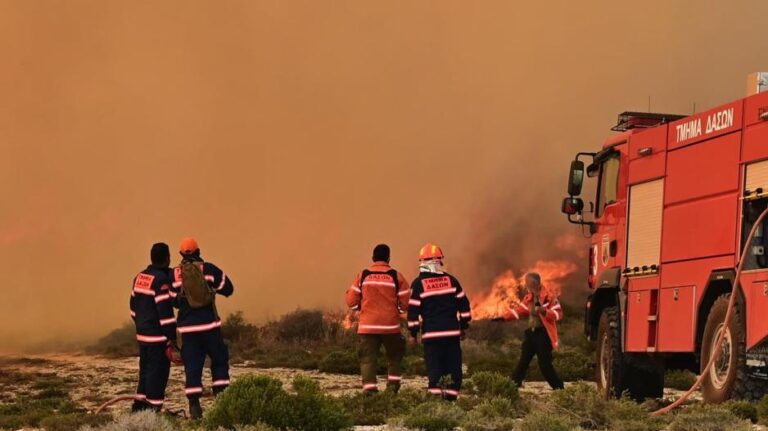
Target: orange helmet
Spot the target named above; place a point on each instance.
(188, 245)
(430, 251)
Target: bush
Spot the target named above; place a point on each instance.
(583, 404)
(434, 416)
(681, 380)
(250, 400)
(492, 384)
(627, 415)
(496, 414)
(373, 409)
(706, 417)
(340, 362)
(121, 342)
(762, 410)
(259, 399)
(543, 421)
(742, 409)
(142, 421)
(301, 325)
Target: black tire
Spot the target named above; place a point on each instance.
(728, 378)
(643, 376)
(609, 354)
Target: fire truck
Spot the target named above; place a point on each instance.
(675, 198)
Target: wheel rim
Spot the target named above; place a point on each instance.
(718, 373)
(605, 361)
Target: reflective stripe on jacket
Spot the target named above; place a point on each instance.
(549, 316)
(379, 299)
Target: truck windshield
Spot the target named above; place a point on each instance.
(609, 183)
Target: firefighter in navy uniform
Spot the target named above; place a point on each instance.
(439, 308)
(152, 313)
(200, 326)
(380, 294)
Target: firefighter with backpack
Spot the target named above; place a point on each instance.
(380, 294)
(195, 286)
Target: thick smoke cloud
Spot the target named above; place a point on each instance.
(292, 136)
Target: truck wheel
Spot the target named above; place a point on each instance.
(728, 376)
(609, 355)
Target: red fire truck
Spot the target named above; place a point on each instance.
(676, 197)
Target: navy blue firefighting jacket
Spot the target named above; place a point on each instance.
(438, 306)
(200, 319)
(151, 308)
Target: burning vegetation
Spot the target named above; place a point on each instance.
(507, 288)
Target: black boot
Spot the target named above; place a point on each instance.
(138, 406)
(195, 411)
(217, 390)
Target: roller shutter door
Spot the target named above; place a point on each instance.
(646, 203)
(757, 177)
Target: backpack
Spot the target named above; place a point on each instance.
(194, 287)
(392, 273)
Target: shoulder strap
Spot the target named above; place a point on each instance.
(393, 273)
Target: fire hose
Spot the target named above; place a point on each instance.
(719, 344)
(169, 352)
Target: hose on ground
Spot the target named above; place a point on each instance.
(113, 401)
(715, 353)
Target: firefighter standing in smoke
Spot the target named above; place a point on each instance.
(152, 314)
(380, 294)
(195, 286)
(440, 309)
(541, 310)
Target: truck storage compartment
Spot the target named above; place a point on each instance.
(642, 312)
(676, 318)
(700, 228)
(757, 310)
(644, 227)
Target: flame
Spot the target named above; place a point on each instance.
(507, 288)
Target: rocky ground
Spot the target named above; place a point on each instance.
(98, 379)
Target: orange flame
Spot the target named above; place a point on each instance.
(507, 288)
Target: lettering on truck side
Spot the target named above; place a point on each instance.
(715, 122)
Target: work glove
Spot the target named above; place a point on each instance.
(170, 349)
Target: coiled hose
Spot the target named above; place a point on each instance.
(731, 302)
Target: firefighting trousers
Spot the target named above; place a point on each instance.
(194, 349)
(443, 359)
(370, 347)
(154, 369)
(537, 343)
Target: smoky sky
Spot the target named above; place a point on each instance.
(290, 137)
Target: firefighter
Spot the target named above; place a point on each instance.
(541, 311)
(439, 308)
(380, 294)
(152, 314)
(195, 286)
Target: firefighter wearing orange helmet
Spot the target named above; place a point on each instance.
(440, 310)
(380, 294)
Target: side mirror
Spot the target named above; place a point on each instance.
(576, 178)
(572, 206)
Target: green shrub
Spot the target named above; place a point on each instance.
(257, 427)
(414, 365)
(71, 421)
(301, 325)
(627, 415)
(373, 409)
(121, 342)
(434, 416)
(249, 400)
(493, 384)
(762, 410)
(259, 399)
(496, 414)
(681, 380)
(544, 421)
(742, 409)
(340, 362)
(706, 417)
(486, 358)
(142, 421)
(583, 404)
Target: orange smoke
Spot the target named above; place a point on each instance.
(507, 288)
